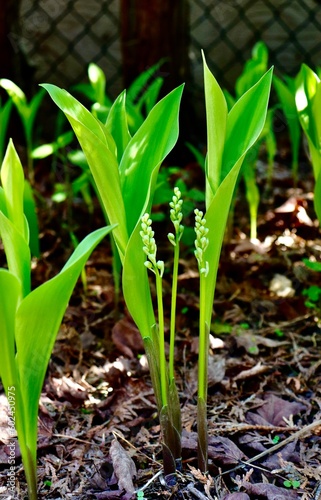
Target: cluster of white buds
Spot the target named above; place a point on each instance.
(176, 216)
(201, 241)
(150, 248)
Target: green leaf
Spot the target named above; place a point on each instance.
(139, 84)
(99, 148)
(30, 114)
(37, 322)
(245, 122)
(317, 195)
(315, 266)
(216, 121)
(117, 124)
(5, 113)
(29, 208)
(308, 102)
(254, 69)
(17, 252)
(145, 153)
(286, 95)
(98, 81)
(12, 178)
(46, 150)
(150, 96)
(244, 125)
(306, 85)
(136, 285)
(10, 292)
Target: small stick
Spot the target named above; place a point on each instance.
(288, 440)
(294, 436)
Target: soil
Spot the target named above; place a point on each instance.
(98, 425)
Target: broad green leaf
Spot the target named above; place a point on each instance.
(216, 120)
(136, 285)
(230, 100)
(12, 179)
(17, 252)
(145, 153)
(286, 96)
(152, 353)
(116, 124)
(216, 218)
(37, 322)
(97, 143)
(245, 122)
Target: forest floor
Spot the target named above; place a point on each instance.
(264, 367)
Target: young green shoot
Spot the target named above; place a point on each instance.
(176, 216)
(27, 112)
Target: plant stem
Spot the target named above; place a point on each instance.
(173, 311)
(202, 380)
(162, 358)
(203, 343)
(30, 467)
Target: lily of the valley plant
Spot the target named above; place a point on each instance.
(125, 170)
(29, 319)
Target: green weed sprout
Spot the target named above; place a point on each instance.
(125, 169)
(286, 89)
(27, 112)
(308, 101)
(29, 319)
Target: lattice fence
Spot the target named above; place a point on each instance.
(227, 30)
(59, 38)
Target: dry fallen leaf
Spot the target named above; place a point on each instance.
(124, 467)
(127, 338)
(271, 492)
(274, 411)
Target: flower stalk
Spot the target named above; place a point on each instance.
(176, 216)
(201, 244)
(157, 267)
